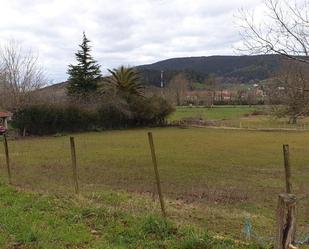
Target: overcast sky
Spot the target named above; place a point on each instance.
(123, 32)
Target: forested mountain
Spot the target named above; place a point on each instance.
(232, 69)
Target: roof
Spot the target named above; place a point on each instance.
(5, 114)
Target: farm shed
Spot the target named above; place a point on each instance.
(4, 117)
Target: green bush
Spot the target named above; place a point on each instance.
(114, 115)
(52, 119)
(150, 111)
(48, 119)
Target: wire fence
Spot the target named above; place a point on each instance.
(243, 124)
(250, 234)
(57, 168)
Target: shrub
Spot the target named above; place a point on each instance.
(150, 111)
(49, 119)
(116, 113)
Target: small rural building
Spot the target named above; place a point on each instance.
(4, 117)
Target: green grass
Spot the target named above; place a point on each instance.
(238, 116)
(266, 121)
(35, 221)
(214, 179)
(215, 113)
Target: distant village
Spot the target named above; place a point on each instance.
(237, 94)
(252, 95)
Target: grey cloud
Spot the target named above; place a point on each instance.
(129, 32)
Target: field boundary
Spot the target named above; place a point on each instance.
(213, 124)
(249, 129)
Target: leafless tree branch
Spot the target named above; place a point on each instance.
(20, 75)
(283, 31)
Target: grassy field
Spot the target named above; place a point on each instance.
(213, 179)
(215, 113)
(109, 220)
(238, 116)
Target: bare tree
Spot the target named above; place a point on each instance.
(283, 29)
(20, 75)
(177, 87)
(288, 92)
(212, 85)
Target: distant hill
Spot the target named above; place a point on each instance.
(233, 69)
(52, 93)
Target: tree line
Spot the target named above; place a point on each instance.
(91, 102)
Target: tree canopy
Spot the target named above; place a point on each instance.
(126, 81)
(85, 75)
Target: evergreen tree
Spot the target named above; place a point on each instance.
(83, 77)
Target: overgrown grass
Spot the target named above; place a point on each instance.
(34, 221)
(215, 179)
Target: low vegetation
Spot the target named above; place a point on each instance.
(52, 119)
(213, 179)
(246, 117)
(214, 113)
(106, 220)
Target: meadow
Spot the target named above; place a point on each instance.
(212, 179)
(254, 117)
(214, 113)
(109, 220)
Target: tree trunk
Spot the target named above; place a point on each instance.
(178, 98)
(293, 120)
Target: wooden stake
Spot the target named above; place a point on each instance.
(7, 157)
(155, 165)
(286, 221)
(287, 166)
(74, 167)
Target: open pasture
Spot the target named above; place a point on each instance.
(239, 117)
(213, 113)
(216, 178)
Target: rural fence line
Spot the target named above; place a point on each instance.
(286, 210)
(7, 158)
(239, 125)
(74, 165)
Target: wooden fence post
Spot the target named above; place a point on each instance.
(7, 157)
(286, 214)
(287, 166)
(74, 167)
(155, 165)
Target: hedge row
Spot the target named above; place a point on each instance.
(51, 119)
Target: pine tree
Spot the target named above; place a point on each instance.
(83, 77)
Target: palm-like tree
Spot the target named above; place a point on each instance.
(126, 81)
